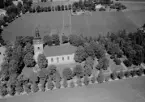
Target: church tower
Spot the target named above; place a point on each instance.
(38, 44)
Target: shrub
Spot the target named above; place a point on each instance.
(133, 73)
(113, 75)
(93, 79)
(58, 85)
(86, 80)
(107, 78)
(12, 91)
(139, 72)
(43, 87)
(117, 61)
(102, 9)
(50, 85)
(79, 82)
(100, 77)
(65, 84)
(3, 92)
(57, 77)
(120, 75)
(72, 84)
(144, 71)
(35, 88)
(19, 89)
(67, 74)
(28, 88)
(127, 63)
(78, 71)
(127, 74)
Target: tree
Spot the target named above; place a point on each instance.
(67, 74)
(88, 66)
(117, 61)
(113, 75)
(127, 63)
(28, 88)
(120, 75)
(89, 50)
(19, 87)
(50, 85)
(86, 80)
(72, 84)
(19, 6)
(65, 84)
(57, 77)
(76, 40)
(38, 9)
(47, 39)
(80, 54)
(98, 49)
(79, 82)
(55, 39)
(127, 74)
(52, 72)
(100, 77)
(57, 84)
(78, 71)
(42, 75)
(64, 39)
(103, 64)
(3, 90)
(42, 61)
(13, 66)
(35, 88)
(29, 48)
(29, 60)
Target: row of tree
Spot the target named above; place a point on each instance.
(50, 8)
(48, 79)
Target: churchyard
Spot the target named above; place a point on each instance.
(100, 57)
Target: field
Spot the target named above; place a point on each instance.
(98, 23)
(130, 90)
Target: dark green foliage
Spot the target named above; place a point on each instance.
(42, 61)
(57, 77)
(43, 87)
(72, 84)
(113, 75)
(144, 71)
(100, 77)
(12, 91)
(28, 88)
(93, 79)
(76, 40)
(52, 72)
(80, 54)
(127, 63)
(117, 61)
(3, 90)
(86, 80)
(29, 60)
(107, 78)
(67, 74)
(55, 39)
(87, 70)
(133, 73)
(64, 39)
(139, 72)
(103, 64)
(65, 84)
(78, 71)
(127, 74)
(19, 87)
(47, 39)
(120, 75)
(57, 84)
(35, 88)
(50, 85)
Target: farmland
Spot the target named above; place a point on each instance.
(98, 23)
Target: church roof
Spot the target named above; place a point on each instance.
(65, 49)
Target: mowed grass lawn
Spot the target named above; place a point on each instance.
(129, 90)
(98, 23)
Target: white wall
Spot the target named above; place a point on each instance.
(63, 59)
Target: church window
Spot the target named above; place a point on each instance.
(0, 53)
(62, 58)
(38, 48)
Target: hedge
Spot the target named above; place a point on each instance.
(113, 75)
(35, 88)
(50, 85)
(120, 75)
(93, 79)
(28, 88)
(127, 74)
(107, 78)
(57, 84)
(100, 77)
(79, 82)
(133, 73)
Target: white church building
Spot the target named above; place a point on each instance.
(61, 54)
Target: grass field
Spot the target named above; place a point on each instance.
(130, 90)
(98, 23)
